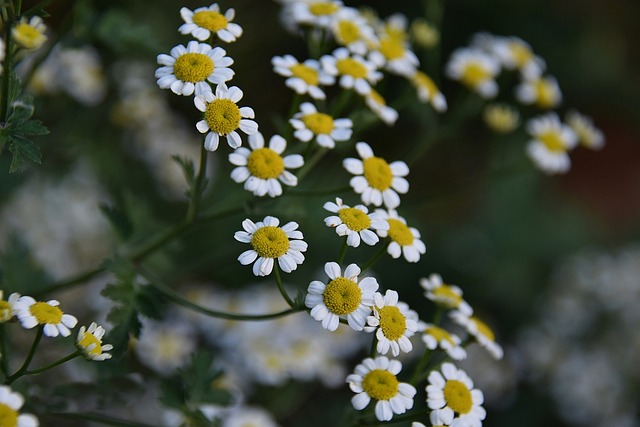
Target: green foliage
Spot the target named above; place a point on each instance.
(119, 221)
(18, 270)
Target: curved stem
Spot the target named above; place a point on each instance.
(343, 251)
(283, 292)
(198, 187)
(32, 351)
(375, 257)
(4, 357)
(8, 68)
(308, 165)
(419, 370)
(100, 419)
(54, 364)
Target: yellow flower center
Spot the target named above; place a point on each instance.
(347, 31)
(28, 36)
(354, 219)
(399, 232)
(210, 20)
(270, 242)
(5, 311)
(421, 80)
(483, 328)
(521, 54)
(318, 123)
(222, 116)
(439, 334)
(500, 118)
(87, 340)
(546, 94)
(342, 296)
(447, 296)
(392, 48)
(323, 8)
(458, 396)
(45, 313)
(395, 33)
(377, 172)
(193, 67)
(552, 140)
(306, 73)
(392, 322)
(351, 67)
(380, 384)
(265, 163)
(8, 416)
(474, 74)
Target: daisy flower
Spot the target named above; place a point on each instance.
(32, 313)
(515, 53)
(352, 30)
(436, 337)
(405, 240)
(270, 242)
(310, 123)
(222, 117)
(202, 22)
(434, 417)
(393, 322)
(451, 395)
(544, 92)
(395, 56)
(353, 71)
(377, 379)
(428, 91)
(550, 144)
(474, 69)
(379, 106)
(424, 33)
(29, 33)
(588, 135)
(376, 180)
(355, 222)
(501, 118)
(394, 26)
(317, 13)
(482, 333)
(10, 403)
(189, 69)
(261, 168)
(343, 296)
(447, 296)
(89, 341)
(305, 77)
(6, 307)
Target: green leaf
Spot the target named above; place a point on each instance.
(23, 150)
(119, 221)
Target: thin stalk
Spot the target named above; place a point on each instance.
(32, 351)
(419, 370)
(343, 251)
(285, 295)
(198, 187)
(308, 165)
(101, 419)
(54, 364)
(4, 358)
(8, 68)
(367, 265)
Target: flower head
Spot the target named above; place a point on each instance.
(550, 144)
(543, 92)
(10, 403)
(405, 240)
(355, 222)
(310, 123)
(270, 242)
(29, 34)
(32, 313)
(393, 322)
(6, 307)
(353, 71)
(317, 13)
(352, 30)
(475, 69)
(223, 117)
(379, 106)
(515, 53)
(189, 69)
(261, 168)
(501, 118)
(89, 341)
(343, 296)
(588, 135)
(436, 337)
(202, 22)
(377, 379)
(395, 56)
(447, 296)
(428, 91)
(482, 333)
(305, 77)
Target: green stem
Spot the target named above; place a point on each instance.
(198, 187)
(419, 370)
(34, 9)
(8, 68)
(285, 295)
(32, 351)
(4, 357)
(343, 251)
(308, 165)
(367, 265)
(100, 419)
(53, 365)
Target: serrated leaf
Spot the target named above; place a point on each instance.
(23, 150)
(32, 127)
(187, 168)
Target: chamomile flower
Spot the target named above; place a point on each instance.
(450, 394)
(202, 22)
(29, 33)
(395, 26)
(543, 92)
(395, 56)
(424, 33)
(223, 117)
(89, 341)
(588, 135)
(447, 296)
(261, 168)
(377, 379)
(482, 333)
(343, 296)
(501, 118)
(393, 322)
(355, 222)
(317, 13)
(270, 242)
(515, 53)
(352, 71)
(188, 70)
(436, 337)
(32, 313)
(434, 417)
(376, 180)
(404, 240)
(379, 106)
(428, 91)
(10, 404)
(352, 30)
(6, 307)
(551, 140)
(310, 124)
(305, 77)
(474, 69)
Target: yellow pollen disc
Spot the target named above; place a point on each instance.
(392, 48)
(377, 173)
(395, 33)
(348, 32)
(420, 79)
(323, 8)
(5, 312)
(521, 54)
(45, 313)
(351, 67)
(87, 340)
(193, 67)
(342, 296)
(392, 322)
(222, 116)
(377, 98)
(458, 397)
(446, 295)
(8, 416)
(552, 140)
(28, 36)
(399, 232)
(439, 334)
(270, 242)
(483, 328)
(354, 219)
(210, 20)
(318, 123)
(380, 384)
(306, 73)
(265, 163)
(546, 95)
(474, 74)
